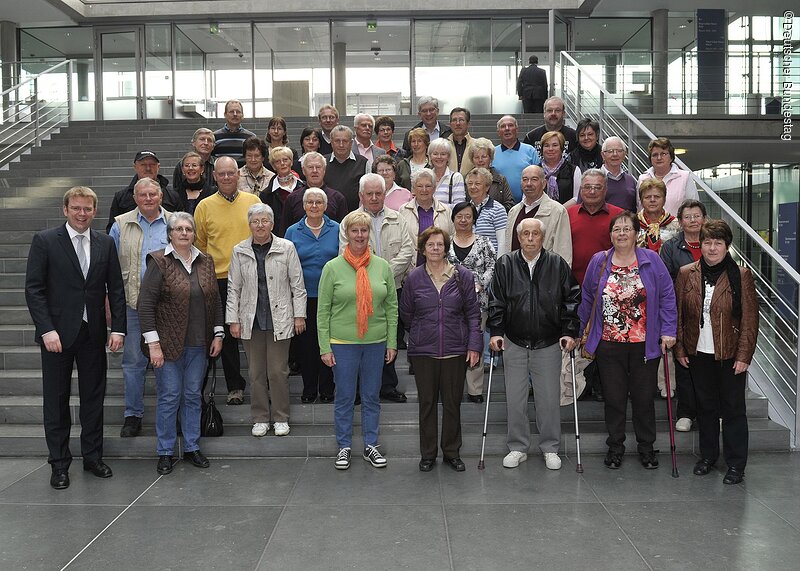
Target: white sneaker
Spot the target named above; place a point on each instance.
(342, 459)
(552, 461)
(281, 428)
(513, 459)
(260, 429)
(683, 425)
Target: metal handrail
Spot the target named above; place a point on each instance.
(775, 370)
(35, 77)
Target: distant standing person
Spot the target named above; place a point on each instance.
(532, 87)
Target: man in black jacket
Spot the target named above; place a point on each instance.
(532, 87)
(532, 317)
(146, 165)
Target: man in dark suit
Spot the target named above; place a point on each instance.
(71, 268)
(532, 87)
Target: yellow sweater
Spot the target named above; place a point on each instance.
(221, 225)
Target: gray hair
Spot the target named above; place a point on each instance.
(314, 191)
(371, 177)
(361, 116)
(481, 143)
(202, 131)
(342, 129)
(176, 217)
(542, 227)
(423, 172)
(313, 156)
(594, 172)
(425, 99)
(555, 99)
(504, 117)
(258, 209)
(615, 139)
(440, 144)
(481, 173)
(146, 181)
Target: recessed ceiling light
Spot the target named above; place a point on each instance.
(296, 29)
(680, 151)
(682, 26)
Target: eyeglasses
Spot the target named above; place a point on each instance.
(623, 230)
(691, 217)
(226, 174)
(614, 151)
(258, 222)
(659, 155)
(183, 230)
(315, 202)
(592, 187)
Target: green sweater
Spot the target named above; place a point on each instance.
(336, 309)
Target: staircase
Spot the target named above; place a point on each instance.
(100, 155)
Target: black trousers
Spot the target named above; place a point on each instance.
(230, 348)
(90, 356)
(626, 373)
(720, 394)
(317, 377)
(532, 105)
(684, 390)
(440, 378)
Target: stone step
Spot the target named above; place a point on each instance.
(14, 315)
(11, 297)
(12, 280)
(13, 265)
(399, 441)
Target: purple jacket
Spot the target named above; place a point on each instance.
(441, 323)
(662, 313)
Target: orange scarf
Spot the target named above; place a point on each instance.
(363, 288)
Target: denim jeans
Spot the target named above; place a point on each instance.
(134, 366)
(354, 362)
(179, 385)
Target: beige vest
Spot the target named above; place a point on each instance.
(131, 238)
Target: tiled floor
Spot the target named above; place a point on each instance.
(301, 514)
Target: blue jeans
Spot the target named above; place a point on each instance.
(354, 362)
(134, 366)
(179, 385)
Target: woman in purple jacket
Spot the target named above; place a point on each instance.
(629, 302)
(441, 311)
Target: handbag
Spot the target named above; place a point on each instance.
(210, 417)
(586, 330)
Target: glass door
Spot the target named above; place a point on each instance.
(119, 53)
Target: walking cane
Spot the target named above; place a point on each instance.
(669, 417)
(579, 467)
(481, 465)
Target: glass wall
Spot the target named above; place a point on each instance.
(158, 71)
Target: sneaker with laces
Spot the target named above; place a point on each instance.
(281, 428)
(683, 425)
(552, 461)
(514, 458)
(260, 429)
(342, 459)
(374, 457)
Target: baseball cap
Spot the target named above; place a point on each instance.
(144, 154)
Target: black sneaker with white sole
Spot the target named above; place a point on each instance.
(342, 459)
(374, 457)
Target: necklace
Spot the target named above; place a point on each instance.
(693, 245)
(321, 224)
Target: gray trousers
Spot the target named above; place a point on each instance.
(544, 367)
(268, 361)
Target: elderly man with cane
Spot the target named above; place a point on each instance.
(533, 317)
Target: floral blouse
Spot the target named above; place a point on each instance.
(624, 305)
(480, 261)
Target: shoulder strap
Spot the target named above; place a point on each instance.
(450, 193)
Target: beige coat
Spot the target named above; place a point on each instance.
(466, 163)
(558, 235)
(441, 219)
(285, 285)
(397, 247)
(130, 252)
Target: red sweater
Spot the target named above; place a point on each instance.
(589, 234)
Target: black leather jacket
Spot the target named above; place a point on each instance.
(533, 313)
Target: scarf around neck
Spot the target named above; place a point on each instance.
(710, 276)
(363, 289)
(550, 175)
(651, 235)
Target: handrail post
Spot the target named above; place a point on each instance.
(578, 95)
(794, 442)
(35, 109)
(69, 91)
(602, 112)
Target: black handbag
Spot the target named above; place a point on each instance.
(210, 418)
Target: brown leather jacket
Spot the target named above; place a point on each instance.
(733, 339)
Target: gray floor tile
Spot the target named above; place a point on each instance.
(180, 537)
(358, 537)
(13, 469)
(131, 478)
(400, 482)
(530, 483)
(557, 536)
(772, 476)
(738, 533)
(48, 536)
(227, 482)
(788, 510)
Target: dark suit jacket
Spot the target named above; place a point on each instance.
(532, 83)
(56, 290)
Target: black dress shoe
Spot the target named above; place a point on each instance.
(197, 459)
(426, 465)
(456, 464)
(59, 479)
(475, 398)
(132, 427)
(613, 460)
(326, 398)
(165, 464)
(703, 467)
(307, 399)
(98, 468)
(394, 396)
(733, 476)
(648, 460)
